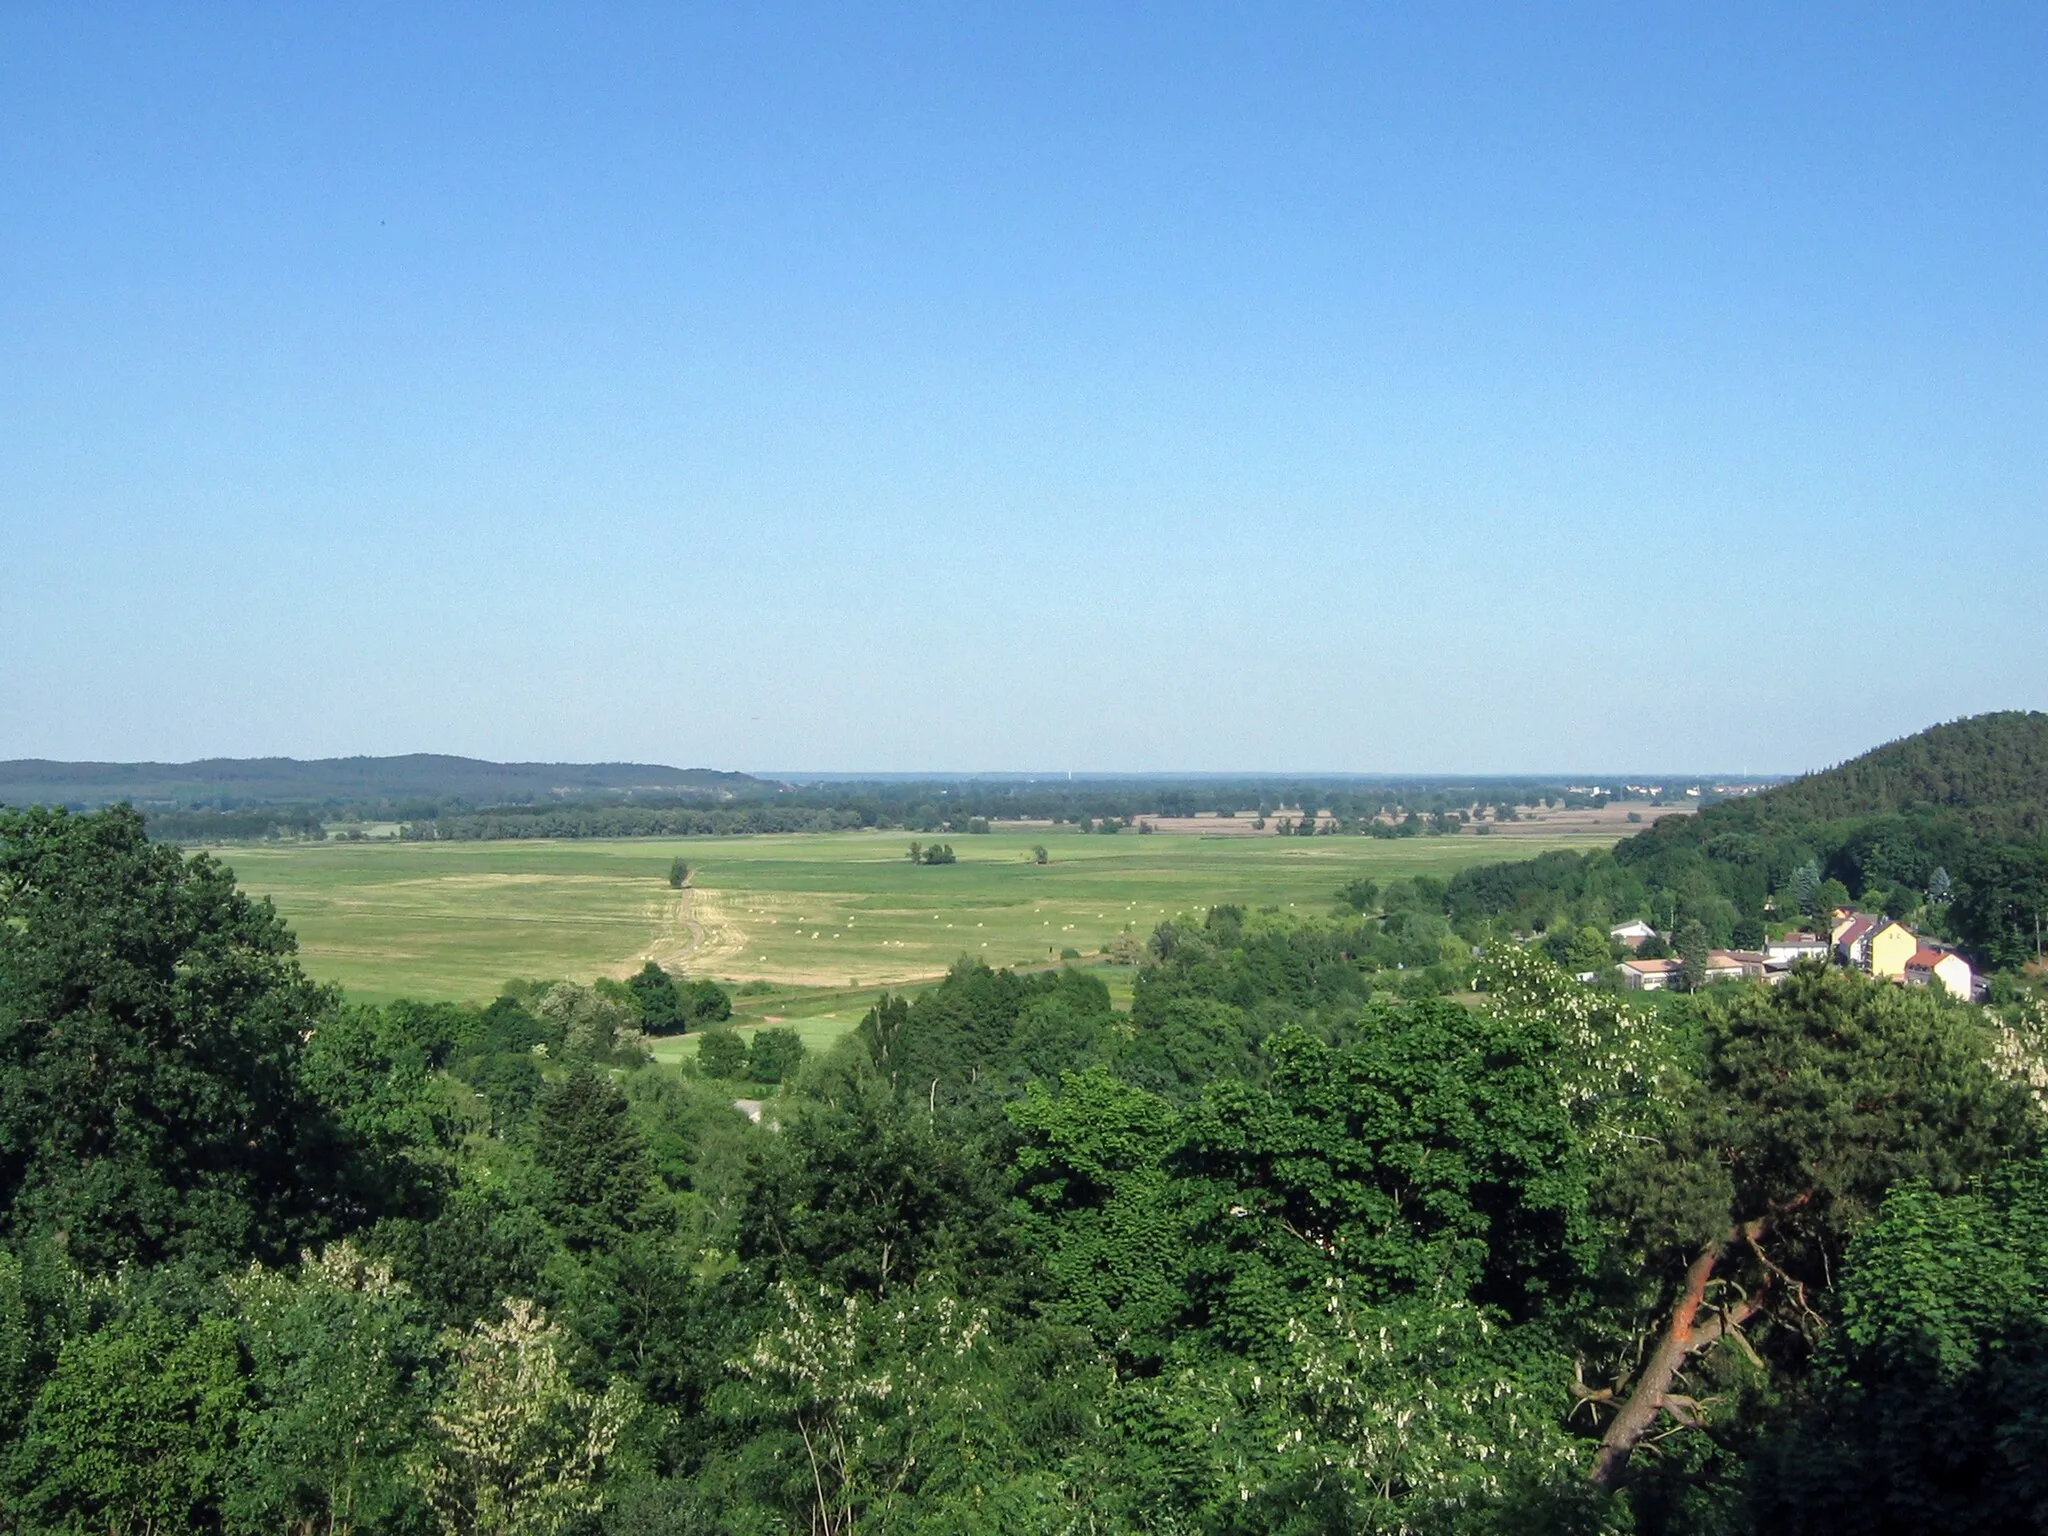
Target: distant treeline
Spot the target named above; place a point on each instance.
(929, 804)
(1381, 807)
(961, 807)
(227, 783)
(254, 824)
(953, 805)
(631, 821)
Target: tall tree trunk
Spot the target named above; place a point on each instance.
(1647, 1400)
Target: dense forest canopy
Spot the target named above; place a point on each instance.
(1276, 1250)
(1990, 771)
(244, 783)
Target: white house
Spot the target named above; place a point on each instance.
(1648, 975)
(1734, 964)
(1852, 939)
(1632, 933)
(1796, 946)
(1942, 965)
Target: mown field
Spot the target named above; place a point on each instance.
(840, 911)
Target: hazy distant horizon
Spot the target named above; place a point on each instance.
(889, 776)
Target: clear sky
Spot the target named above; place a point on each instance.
(1403, 388)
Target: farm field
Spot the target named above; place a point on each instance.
(807, 913)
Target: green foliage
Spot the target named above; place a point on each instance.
(721, 1054)
(866, 1193)
(1434, 1156)
(135, 1427)
(1966, 797)
(1360, 895)
(874, 1402)
(1095, 1195)
(17, 1340)
(1993, 768)
(1927, 1412)
(588, 1025)
(774, 1054)
(1831, 1088)
(707, 1002)
(984, 1033)
(339, 1362)
(678, 874)
(1806, 881)
(1423, 1416)
(599, 1178)
(152, 1021)
(1585, 948)
(1691, 943)
(517, 1449)
(1295, 1245)
(661, 1008)
(2002, 908)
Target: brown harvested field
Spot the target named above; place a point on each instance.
(1611, 819)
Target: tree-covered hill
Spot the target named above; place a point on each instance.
(1991, 770)
(1947, 829)
(232, 782)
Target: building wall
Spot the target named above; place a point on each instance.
(1890, 947)
(1954, 972)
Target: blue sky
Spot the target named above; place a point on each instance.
(861, 387)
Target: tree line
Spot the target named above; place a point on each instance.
(1384, 808)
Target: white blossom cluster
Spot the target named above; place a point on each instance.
(1615, 1057)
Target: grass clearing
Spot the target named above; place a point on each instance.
(826, 919)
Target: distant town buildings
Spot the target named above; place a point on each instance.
(1649, 975)
(1879, 946)
(1798, 945)
(1943, 965)
(1722, 965)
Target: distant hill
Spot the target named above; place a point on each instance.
(1946, 829)
(229, 782)
(1991, 771)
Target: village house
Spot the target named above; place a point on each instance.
(1648, 975)
(1796, 946)
(1633, 934)
(1890, 945)
(1850, 938)
(1733, 964)
(1943, 965)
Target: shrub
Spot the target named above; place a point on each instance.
(721, 1054)
(774, 1055)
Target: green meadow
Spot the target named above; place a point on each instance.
(800, 916)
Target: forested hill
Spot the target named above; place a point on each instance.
(1947, 830)
(229, 782)
(1992, 770)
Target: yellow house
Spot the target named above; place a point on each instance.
(1890, 946)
